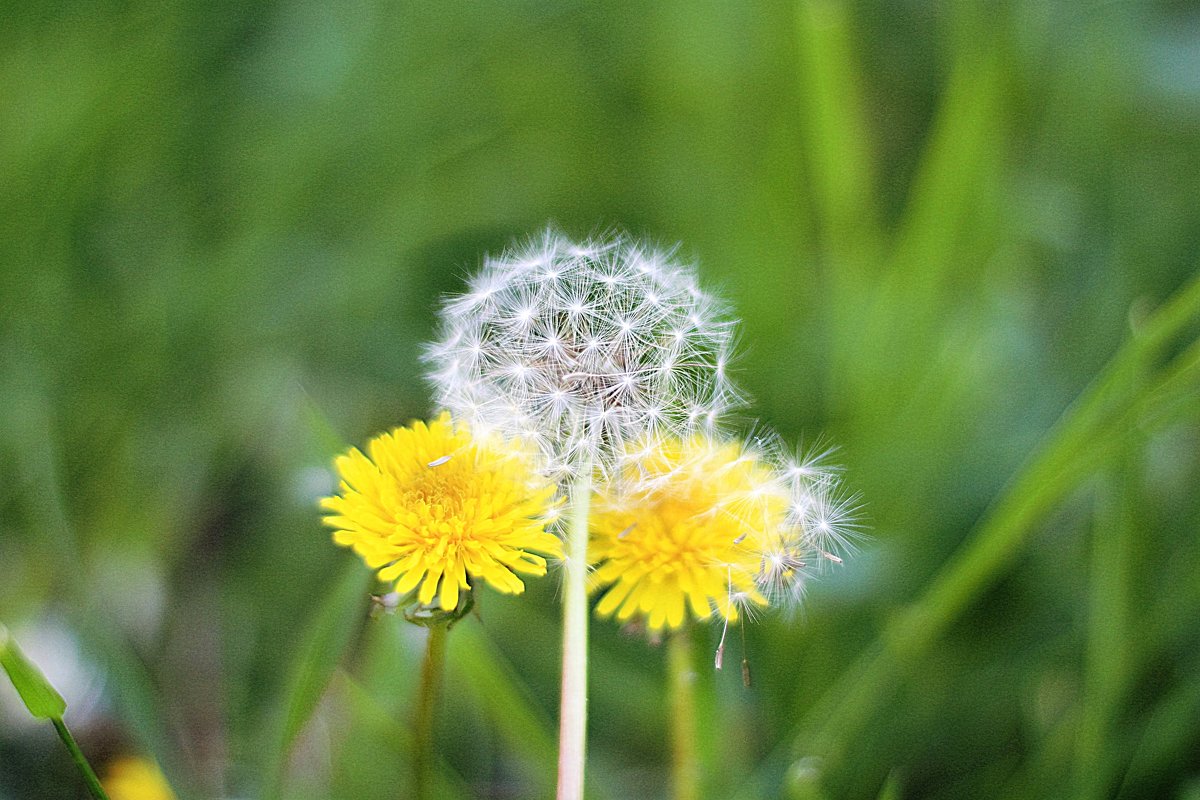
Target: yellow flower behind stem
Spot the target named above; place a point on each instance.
(430, 506)
(692, 534)
(136, 778)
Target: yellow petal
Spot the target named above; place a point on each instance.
(410, 580)
(448, 597)
(429, 587)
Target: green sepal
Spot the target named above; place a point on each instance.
(42, 700)
(431, 616)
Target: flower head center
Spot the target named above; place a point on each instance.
(670, 537)
(434, 507)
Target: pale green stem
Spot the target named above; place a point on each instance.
(572, 731)
(431, 678)
(89, 774)
(681, 681)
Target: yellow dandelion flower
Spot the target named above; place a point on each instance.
(135, 778)
(692, 533)
(434, 506)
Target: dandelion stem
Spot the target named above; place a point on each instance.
(572, 732)
(431, 678)
(681, 677)
(89, 774)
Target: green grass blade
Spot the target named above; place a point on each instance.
(330, 632)
(1109, 639)
(493, 682)
(952, 200)
(324, 437)
(1168, 733)
(136, 694)
(42, 699)
(893, 788)
(1081, 441)
(952, 181)
(136, 698)
(837, 145)
(1082, 438)
(395, 736)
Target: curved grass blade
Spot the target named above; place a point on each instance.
(490, 677)
(333, 628)
(136, 696)
(836, 136)
(1083, 439)
(394, 735)
(44, 702)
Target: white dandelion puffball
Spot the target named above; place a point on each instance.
(582, 348)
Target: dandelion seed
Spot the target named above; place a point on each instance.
(480, 516)
(820, 522)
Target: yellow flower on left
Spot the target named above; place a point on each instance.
(134, 778)
(433, 506)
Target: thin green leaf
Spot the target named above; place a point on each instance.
(324, 438)
(1109, 642)
(1069, 455)
(331, 631)
(835, 133)
(893, 787)
(42, 699)
(951, 199)
(136, 699)
(1167, 735)
(952, 179)
(135, 693)
(396, 737)
(493, 682)
(1079, 444)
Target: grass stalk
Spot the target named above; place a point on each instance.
(432, 667)
(85, 768)
(1072, 450)
(1109, 640)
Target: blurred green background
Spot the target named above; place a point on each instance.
(963, 238)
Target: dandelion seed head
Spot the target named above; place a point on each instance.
(582, 348)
